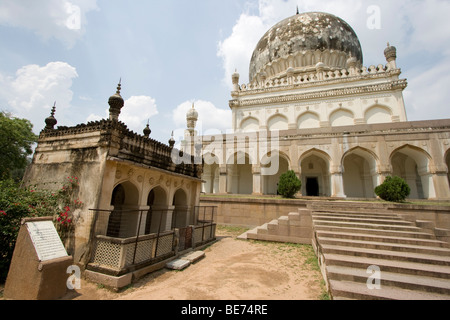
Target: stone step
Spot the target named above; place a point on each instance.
(405, 267)
(386, 246)
(354, 290)
(418, 233)
(386, 215)
(382, 238)
(386, 254)
(368, 220)
(373, 226)
(391, 279)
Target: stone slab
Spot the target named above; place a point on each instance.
(193, 256)
(178, 264)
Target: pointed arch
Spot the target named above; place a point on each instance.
(360, 173)
(315, 173)
(273, 165)
(413, 164)
(210, 174)
(239, 173)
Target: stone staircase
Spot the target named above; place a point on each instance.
(412, 264)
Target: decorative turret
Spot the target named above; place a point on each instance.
(116, 103)
(51, 122)
(391, 56)
(235, 79)
(147, 130)
(172, 141)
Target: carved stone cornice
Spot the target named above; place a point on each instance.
(323, 94)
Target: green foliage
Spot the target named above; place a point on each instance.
(16, 142)
(289, 184)
(394, 189)
(17, 203)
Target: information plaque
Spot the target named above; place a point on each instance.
(46, 240)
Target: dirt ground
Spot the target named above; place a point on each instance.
(231, 270)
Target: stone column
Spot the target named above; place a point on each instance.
(337, 183)
(257, 185)
(166, 224)
(223, 179)
(441, 185)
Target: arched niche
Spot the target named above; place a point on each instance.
(378, 114)
(342, 117)
(308, 120)
(249, 125)
(277, 122)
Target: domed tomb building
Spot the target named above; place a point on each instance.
(312, 106)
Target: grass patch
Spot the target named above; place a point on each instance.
(232, 229)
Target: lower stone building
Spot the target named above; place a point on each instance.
(129, 185)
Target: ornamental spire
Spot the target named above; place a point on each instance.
(51, 122)
(116, 103)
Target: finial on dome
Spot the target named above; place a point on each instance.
(116, 103)
(119, 86)
(171, 141)
(298, 12)
(51, 122)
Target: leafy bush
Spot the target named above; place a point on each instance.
(17, 203)
(394, 189)
(289, 184)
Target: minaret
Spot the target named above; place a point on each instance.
(116, 103)
(192, 117)
(190, 133)
(391, 56)
(51, 122)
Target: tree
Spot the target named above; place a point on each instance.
(289, 184)
(16, 145)
(393, 189)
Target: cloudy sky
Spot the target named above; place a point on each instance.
(172, 53)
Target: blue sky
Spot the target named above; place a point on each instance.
(172, 53)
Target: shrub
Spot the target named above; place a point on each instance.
(289, 184)
(17, 203)
(393, 189)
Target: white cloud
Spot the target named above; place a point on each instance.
(137, 111)
(236, 51)
(427, 97)
(31, 92)
(210, 118)
(61, 19)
